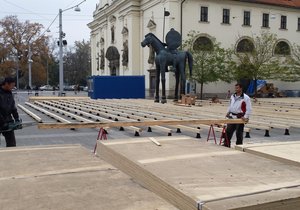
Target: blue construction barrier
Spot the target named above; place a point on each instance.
(108, 87)
(260, 84)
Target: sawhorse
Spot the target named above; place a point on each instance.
(223, 134)
(211, 130)
(101, 136)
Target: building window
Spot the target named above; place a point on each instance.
(112, 34)
(283, 22)
(282, 48)
(245, 46)
(226, 16)
(246, 18)
(203, 44)
(298, 24)
(265, 20)
(204, 14)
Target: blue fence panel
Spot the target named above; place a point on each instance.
(117, 87)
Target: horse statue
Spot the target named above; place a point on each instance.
(167, 55)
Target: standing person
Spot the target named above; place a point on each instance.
(239, 107)
(8, 110)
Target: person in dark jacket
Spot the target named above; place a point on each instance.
(8, 111)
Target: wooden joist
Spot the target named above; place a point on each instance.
(31, 114)
(125, 116)
(43, 98)
(74, 116)
(142, 115)
(50, 114)
(76, 110)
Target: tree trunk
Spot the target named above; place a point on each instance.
(201, 91)
(255, 87)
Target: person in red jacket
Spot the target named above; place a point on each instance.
(239, 107)
(8, 111)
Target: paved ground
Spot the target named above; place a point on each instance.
(87, 137)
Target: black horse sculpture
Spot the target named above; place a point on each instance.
(164, 58)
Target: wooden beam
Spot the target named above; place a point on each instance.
(31, 114)
(42, 98)
(50, 114)
(140, 123)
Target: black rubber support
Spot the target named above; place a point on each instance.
(267, 133)
(287, 132)
(247, 135)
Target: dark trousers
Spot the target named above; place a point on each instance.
(239, 130)
(10, 138)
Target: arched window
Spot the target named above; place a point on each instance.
(112, 34)
(244, 46)
(282, 48)
(203, 44)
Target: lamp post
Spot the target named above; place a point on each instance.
(29, 66)
(16, 59)
(61, 35)
(166, 13)
(18, 66)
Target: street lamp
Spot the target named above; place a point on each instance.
(17, 59)
(61, 35)
(29, 66)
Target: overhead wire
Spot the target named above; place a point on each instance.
(24, 9)
(43, 17)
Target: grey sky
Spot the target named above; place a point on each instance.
(44, 12)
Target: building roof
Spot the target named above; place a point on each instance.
(284, 3)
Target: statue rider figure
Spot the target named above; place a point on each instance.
(173, 41)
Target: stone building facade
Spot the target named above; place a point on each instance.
(119, 26)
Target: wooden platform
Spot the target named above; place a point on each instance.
(68, 177)
(193, 175)
(285, 152)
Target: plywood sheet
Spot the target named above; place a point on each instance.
(68, 177)
(286, 152)
(193, 174)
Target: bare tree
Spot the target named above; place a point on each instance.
(16, 38)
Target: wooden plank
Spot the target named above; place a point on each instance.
(42, 98)
(154, 141)
(142, 123)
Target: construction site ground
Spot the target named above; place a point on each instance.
(56, 168)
